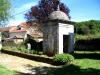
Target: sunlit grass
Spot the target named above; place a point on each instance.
(85, 63)
(5, 71)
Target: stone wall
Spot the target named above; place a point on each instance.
(50, 38)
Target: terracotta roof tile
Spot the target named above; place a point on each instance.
(14, 29)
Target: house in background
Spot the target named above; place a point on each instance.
(19, 33)
(12, 34)
(16, 33)
(32, 30)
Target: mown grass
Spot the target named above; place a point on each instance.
(86, 63)
(5, 71)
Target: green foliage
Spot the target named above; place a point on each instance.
(87, 27)
(36, 52)
(22, 49)
(63, 58)
(10, 45)
(87, 35)
(5, 34)
(5, 71)
(87, 42)
(84, 64)
(5, 6)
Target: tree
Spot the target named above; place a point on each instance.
(41, 11)
(4, 11)
(88, 27)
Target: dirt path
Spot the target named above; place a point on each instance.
(24, 65)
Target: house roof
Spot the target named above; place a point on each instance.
(32, 29)
(25, 25)
(14, 29)
(4, 29)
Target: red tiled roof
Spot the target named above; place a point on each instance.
(14, 29)
(25, 25)
(3, 29)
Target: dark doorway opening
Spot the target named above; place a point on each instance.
(65, 43)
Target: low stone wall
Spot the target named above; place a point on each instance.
(39, 58)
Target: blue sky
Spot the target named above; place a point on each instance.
(80, 10)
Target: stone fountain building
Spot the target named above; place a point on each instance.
(58, 34)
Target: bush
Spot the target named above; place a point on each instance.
(63, 58)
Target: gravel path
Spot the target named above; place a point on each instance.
(24, 65)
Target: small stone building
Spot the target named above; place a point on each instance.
(58, 34)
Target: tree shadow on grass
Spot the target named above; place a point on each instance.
(75, 70)
(87, 55)
(38, 70)
(64, 70)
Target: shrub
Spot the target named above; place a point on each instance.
(63, 58)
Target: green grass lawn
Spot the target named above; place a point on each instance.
(5, 71)
(86, 63)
